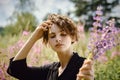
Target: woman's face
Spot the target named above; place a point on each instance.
(59, 40)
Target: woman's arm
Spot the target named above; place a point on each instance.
(18, 66)
(19, 69)
(37, 34)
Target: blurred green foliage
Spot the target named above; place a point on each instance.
(108, 71)
(24, 21)
(21, 19)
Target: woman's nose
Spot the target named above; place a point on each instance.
(58, 39)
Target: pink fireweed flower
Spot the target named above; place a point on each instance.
(102, 59)
(2, 76)
(25, 33)
(19, 44)
(115, 54)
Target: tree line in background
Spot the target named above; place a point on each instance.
(87, 7)
(23, 18)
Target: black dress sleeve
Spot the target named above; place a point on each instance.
(21, 71)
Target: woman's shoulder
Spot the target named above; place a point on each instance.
(77, 60)
(77, 57)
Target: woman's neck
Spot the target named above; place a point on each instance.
(64, 57)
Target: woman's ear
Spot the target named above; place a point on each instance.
(73, 39)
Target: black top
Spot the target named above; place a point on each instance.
(21, 71)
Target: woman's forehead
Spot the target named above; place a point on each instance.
(55, 28)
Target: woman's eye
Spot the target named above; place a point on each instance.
(63, 34)
(52, 36)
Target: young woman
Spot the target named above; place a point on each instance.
(60, 33)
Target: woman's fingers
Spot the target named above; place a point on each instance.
(84, 77)
(89, 61)
(86, 67)
(86, 71)
(88, 64)
(38, 33)
(45, 25)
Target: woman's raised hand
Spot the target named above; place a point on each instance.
(38, 33)
(86, 72)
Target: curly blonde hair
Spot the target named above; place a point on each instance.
(64, 23)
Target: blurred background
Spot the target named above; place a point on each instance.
(19, 18)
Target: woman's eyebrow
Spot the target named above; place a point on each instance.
(62, 30)
(51, 33)
(59, 31)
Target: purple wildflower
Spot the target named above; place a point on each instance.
(99, 12)
(97, 18)
(96, 24)
(103, 37)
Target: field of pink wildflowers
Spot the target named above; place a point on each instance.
(40, 55)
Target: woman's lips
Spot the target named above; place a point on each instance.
(58, 45)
